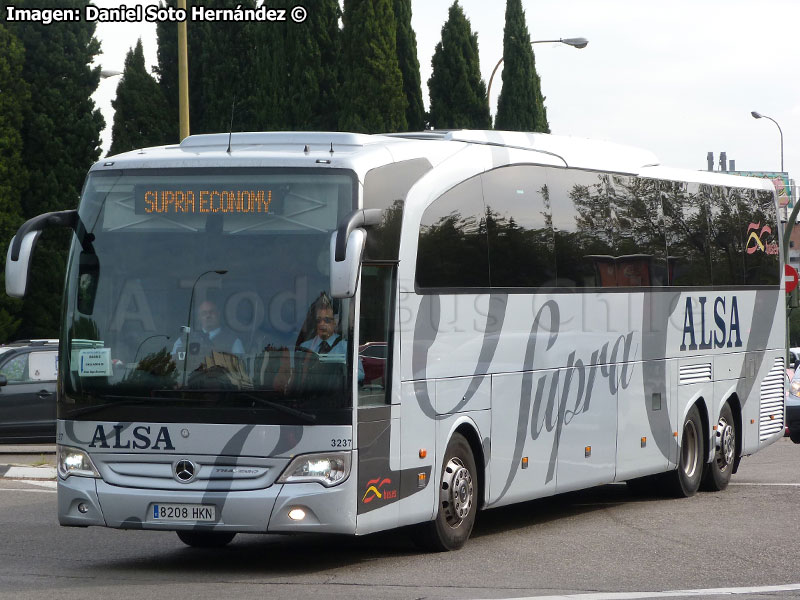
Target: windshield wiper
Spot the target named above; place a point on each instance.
(281, 408)
(124, 401)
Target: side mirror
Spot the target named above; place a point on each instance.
(17, 271)
(3, 380)
(344, 274)
(18, 259)
(347, 248)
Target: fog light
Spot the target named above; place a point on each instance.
(82, 508)
(297, 514)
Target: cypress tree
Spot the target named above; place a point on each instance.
(409, 65)
(457, 92)
(14, 95)
(61, 140)
(268, 104)
(224, 63)
(372, 98)
(167, 70)
(140, 110)
(521, 104)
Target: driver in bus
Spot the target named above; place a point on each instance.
(327, 340)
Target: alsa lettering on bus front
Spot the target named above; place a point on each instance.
(700, 333)
(141, 437)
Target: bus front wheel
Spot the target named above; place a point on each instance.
(718, 472)
(206, 539)
(456, 501)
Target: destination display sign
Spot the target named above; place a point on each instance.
(188, 200)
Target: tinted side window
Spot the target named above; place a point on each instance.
(583, 227)
(640, 243)
(453, 248)
(386, 187)
(759, 221)
(520, 227)
(686, 220)
(727, 250)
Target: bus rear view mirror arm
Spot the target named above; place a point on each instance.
(367, 217)
(22, 244)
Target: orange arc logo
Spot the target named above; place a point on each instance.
(373, 491)
(759, 245)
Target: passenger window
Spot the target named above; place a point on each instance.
(640, 241)
(453, 247)
(727, 249)
(520, 227)
(16, 369)
(583, 228)
(761, 255)
(686, 220)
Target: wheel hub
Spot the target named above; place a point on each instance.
(725, 442)
(456, 492)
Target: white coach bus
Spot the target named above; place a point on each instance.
(341, 333)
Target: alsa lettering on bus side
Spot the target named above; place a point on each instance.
(138, 438)
(725, 332)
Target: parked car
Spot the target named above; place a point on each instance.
(373, 358)
(793, 408)
(28, 371)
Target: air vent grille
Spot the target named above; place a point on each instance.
(772, 400)
(698, 373)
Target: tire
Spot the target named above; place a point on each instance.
(717, 473)
(685, 480)
(206, 539)
(794, 436)
(457, 501)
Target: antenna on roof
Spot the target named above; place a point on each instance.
(230, 128)
(331, 147)
(306, 150)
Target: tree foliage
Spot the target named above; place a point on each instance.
(14, 95)
(521, 104)
(372, 98)
(409, 66)
(61, 140)
(457, 92)
(140, 109)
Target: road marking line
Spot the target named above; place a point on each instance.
(768, 589)
(47, 484)
(770, 484)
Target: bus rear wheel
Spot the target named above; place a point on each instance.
(206, 539)
(685, 480)
(457, 501)
(717, 473)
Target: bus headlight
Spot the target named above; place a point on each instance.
(329, 469)
(73, 461)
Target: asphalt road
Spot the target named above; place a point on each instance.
(594, 542)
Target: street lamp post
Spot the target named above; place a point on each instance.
(574, 42)
(183, 77)
(188, 327)
(757, 115)
(157, 335)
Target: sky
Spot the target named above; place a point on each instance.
(678, 78)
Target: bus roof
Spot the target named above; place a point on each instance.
(364, 151)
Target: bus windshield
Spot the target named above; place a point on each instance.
(201, 295)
